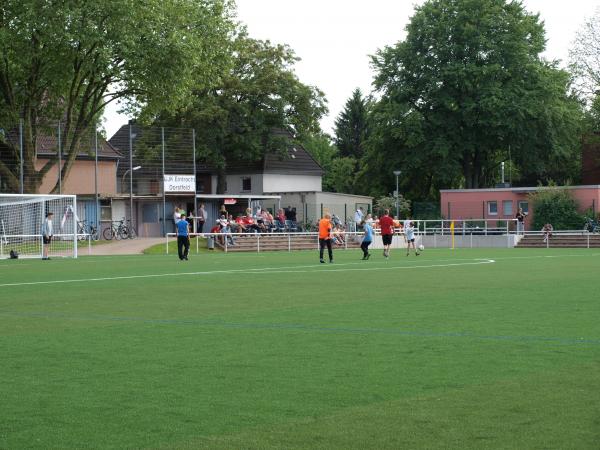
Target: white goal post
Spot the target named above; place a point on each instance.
(21, 219)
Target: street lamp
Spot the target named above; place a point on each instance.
(133, 169)
(125, 174)
(397, 173)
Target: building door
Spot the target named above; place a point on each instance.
(151, 223)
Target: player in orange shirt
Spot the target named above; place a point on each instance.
(325, 227)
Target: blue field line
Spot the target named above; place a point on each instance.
(311, 328)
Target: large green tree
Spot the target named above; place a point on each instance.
(351, 126)
(241, 118)
(585, 58)
(66, 60)
(466, 87)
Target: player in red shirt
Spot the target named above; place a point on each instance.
(387, 232)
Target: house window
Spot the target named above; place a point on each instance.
(246, 184)
(507, 207)
(524, 206)
(105, 210)
(492, 208)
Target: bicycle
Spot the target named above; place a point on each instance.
(114, 231)
(127, 231)
(84, 230)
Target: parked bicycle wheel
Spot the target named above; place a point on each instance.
(94, 233)
(108, 233)
(123, 233)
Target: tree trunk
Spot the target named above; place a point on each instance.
(221, 180)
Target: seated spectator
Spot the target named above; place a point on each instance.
(260, 221)
(281, 218)
(547, 231)
(249, 224)
(226, 230)
(217, 230)
(240, 224)
(267, 219)
(337, 235)
(233, 225)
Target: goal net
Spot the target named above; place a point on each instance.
(21, 219)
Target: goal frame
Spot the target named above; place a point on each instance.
(71, 234)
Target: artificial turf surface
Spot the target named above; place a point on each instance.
(447, 350)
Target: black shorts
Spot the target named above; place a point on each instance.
(47, 239)
(411, 240)
(387, 239)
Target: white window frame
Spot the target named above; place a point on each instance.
(508, 213)
(489, 211)
(522, 202)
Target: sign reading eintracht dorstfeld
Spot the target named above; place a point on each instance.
(180, 183)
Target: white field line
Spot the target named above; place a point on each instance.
(259, 271)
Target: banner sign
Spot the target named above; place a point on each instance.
(180, 183)
(230, 201)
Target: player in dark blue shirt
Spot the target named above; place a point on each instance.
(183, 238)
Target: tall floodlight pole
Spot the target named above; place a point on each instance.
(397, 173)
(130, 177)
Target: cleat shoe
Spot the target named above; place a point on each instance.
(368, 255)
(322, 261)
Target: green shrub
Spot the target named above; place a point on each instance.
(557, 207)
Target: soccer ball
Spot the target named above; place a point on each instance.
(421, 247)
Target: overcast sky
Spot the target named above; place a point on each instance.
(334, 38)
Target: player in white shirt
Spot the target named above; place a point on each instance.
(409, 233)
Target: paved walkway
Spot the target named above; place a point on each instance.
(122, 247)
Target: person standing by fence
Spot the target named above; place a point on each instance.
(201, 218)
(183, 238)
(520, 221)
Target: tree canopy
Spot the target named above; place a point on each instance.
(466, 87)
(240, 118)
(351, 126)
(65, 61)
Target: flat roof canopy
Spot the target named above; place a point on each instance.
(239, 197)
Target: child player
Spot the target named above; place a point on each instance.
(409, 231)
(325, 237)
(368, 228)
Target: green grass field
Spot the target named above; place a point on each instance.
(464, 349)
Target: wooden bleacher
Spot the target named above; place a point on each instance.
(560, 241)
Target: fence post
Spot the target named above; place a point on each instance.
(588, 239)
(21, 153)
(59, 161)
(471, 239)
(486, 226)
(257, 242)
(197, 245)
(289, 242)
(167, 236)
